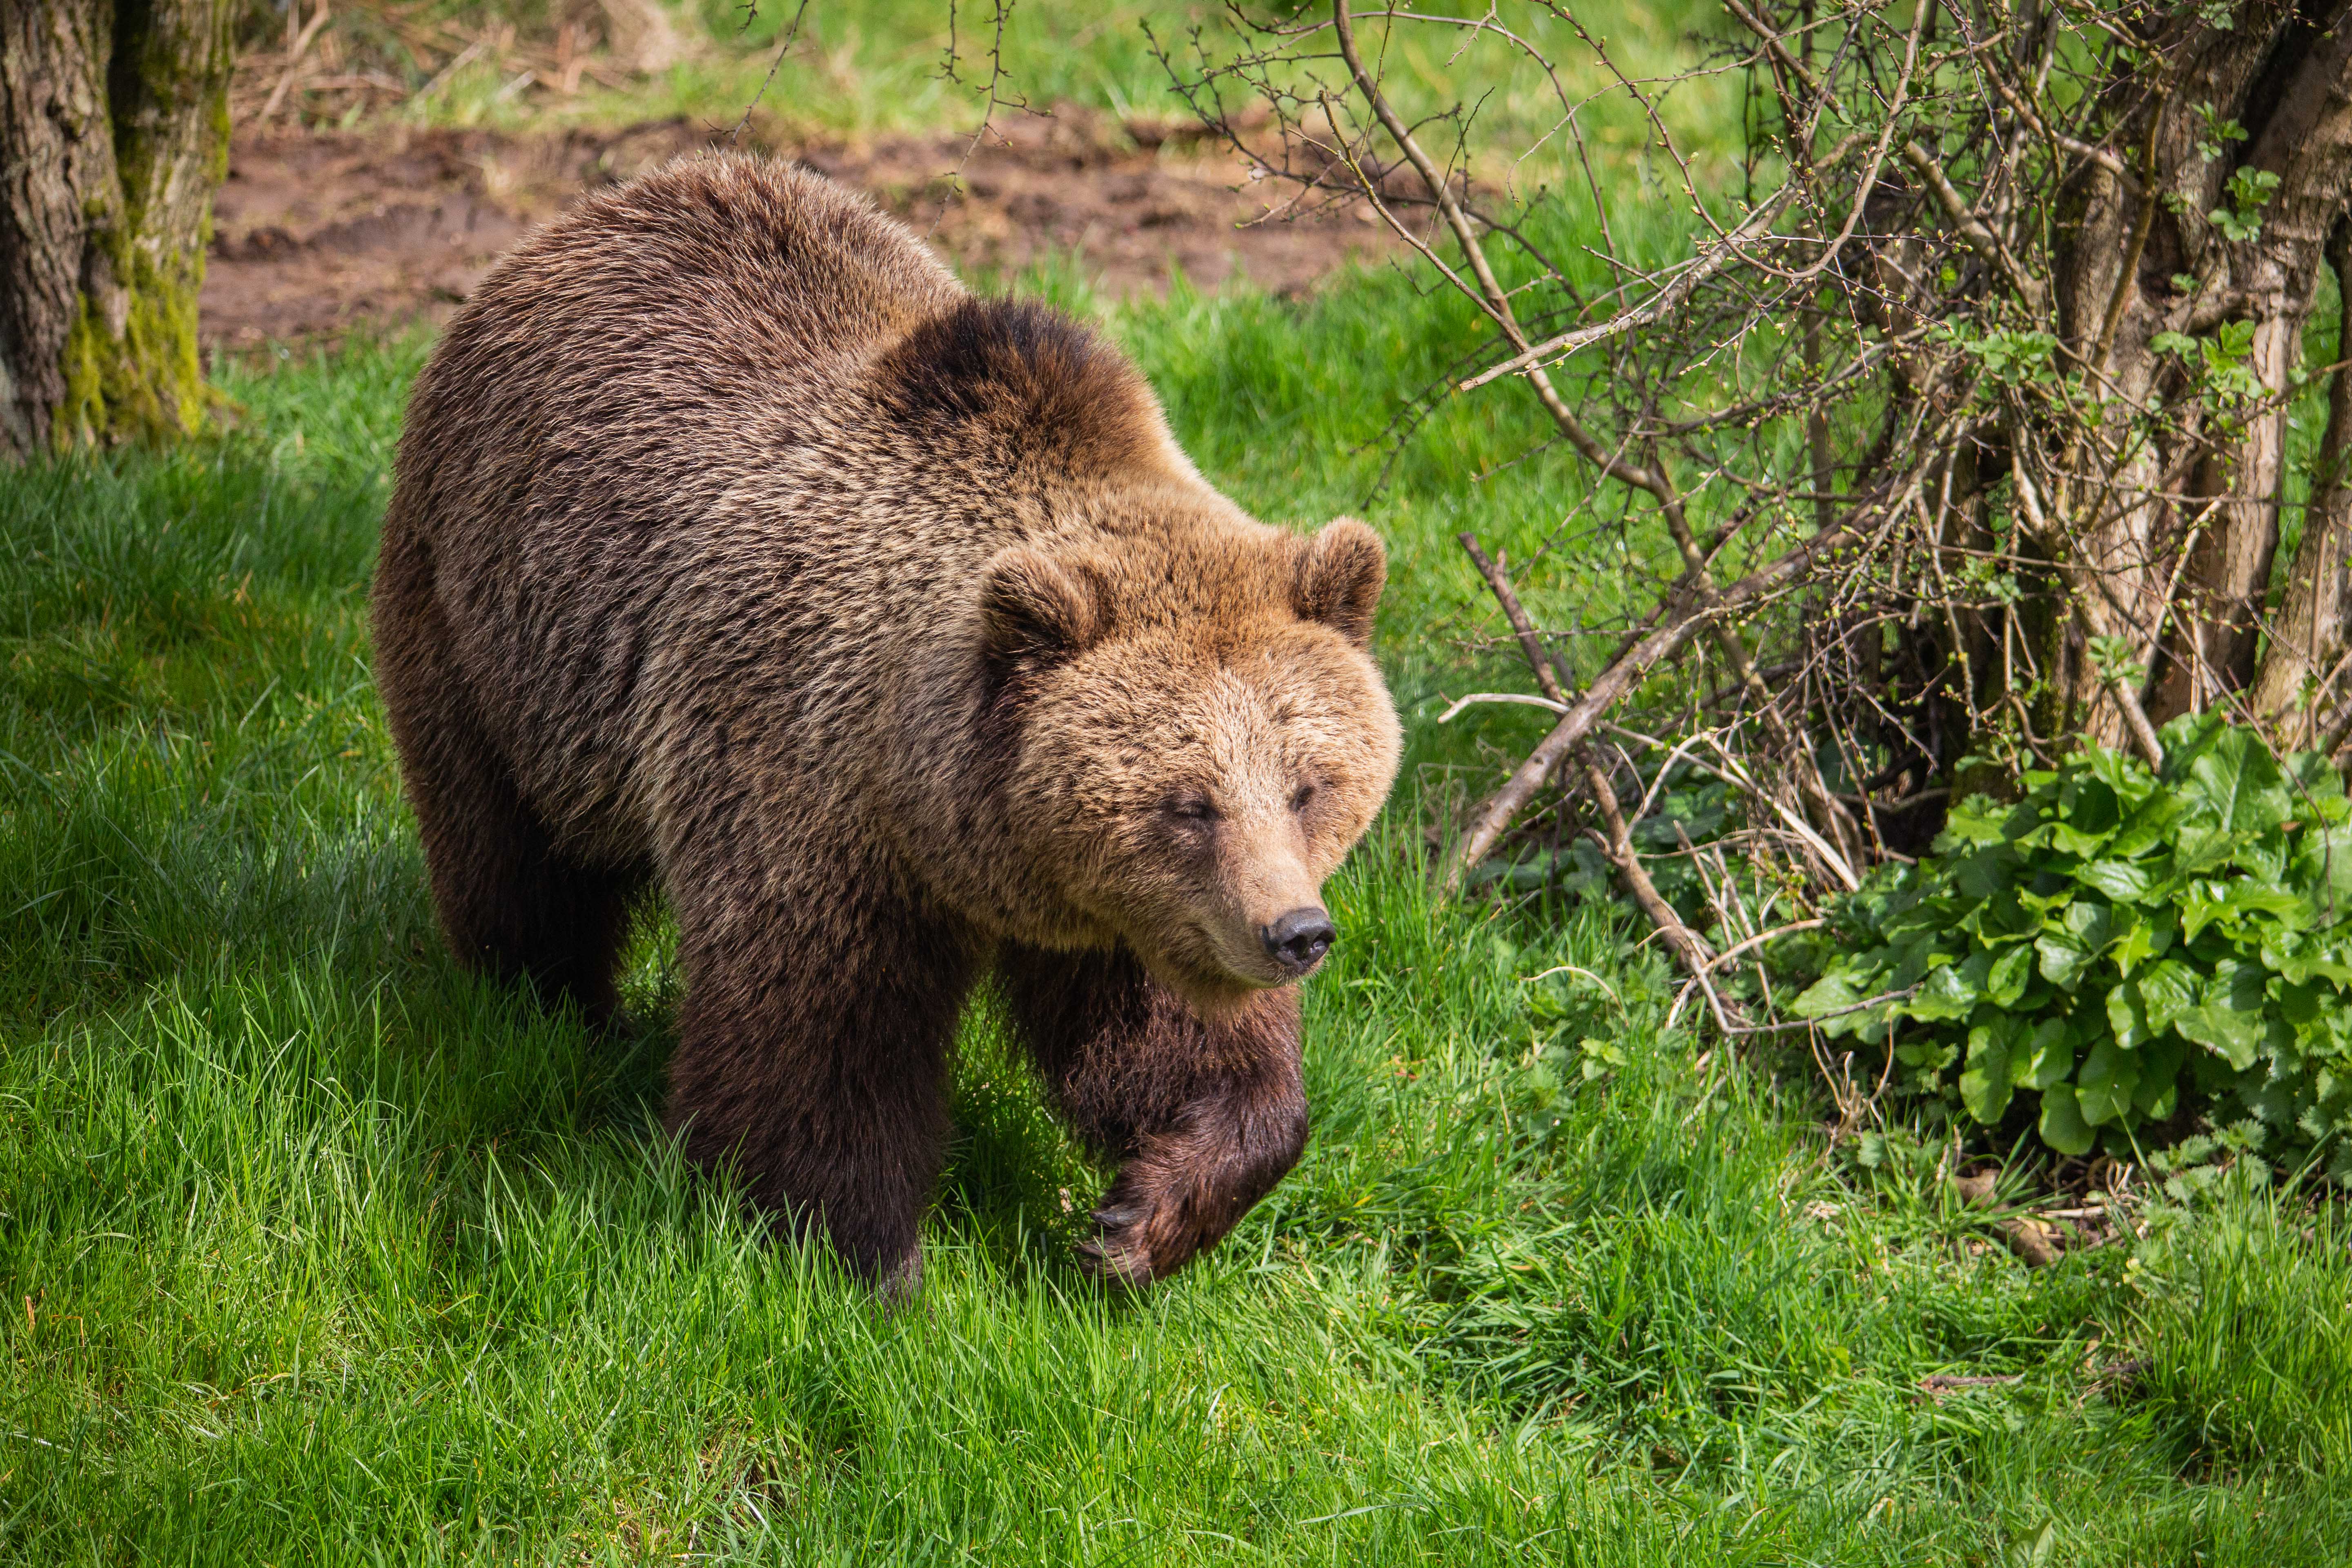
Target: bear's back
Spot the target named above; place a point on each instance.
(721, 274)
(634, 343)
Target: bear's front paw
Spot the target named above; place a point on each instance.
(1154, 1219)
(1185, 1188)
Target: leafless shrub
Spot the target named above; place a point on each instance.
(1962, 434)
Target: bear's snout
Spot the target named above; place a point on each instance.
(1298, 941)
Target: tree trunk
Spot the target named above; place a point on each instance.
(2145, 259)
(113, 135)
(2123, 247)
(2298, 111)
(2301, 671)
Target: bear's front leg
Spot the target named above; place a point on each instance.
(812, 1055)
(1204, 1116)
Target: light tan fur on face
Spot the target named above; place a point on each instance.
(1194, 782)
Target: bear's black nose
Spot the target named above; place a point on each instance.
(1298, 939)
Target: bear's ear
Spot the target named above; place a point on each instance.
(1035, 609)
(1340, 574)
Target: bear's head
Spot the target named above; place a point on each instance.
(1201, 734)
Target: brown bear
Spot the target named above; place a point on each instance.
(737, 549)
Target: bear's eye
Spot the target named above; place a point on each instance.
(1193, 808)
(1305, 792)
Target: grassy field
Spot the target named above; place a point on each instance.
(859, 67)
(315, 1250)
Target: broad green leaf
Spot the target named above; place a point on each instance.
(2302, 1003)
(1973, 823)
(2092, 921)
(2006, 979)
(2062, 1127)
(1912, 960)
(1832, 993)
(2202, 903)
(2088, 804)
(2149, 934)
(2237, 785)
(2004, 915)
(2148, 827)
(1985, 872)
(2063, 958)
(2228, 1017)
(2197, 849)
(2249, 898)
(2235, 902)
(2324, 860)
(2120, 772)
(2051, 1058)
(2069, 840)
(2145, 1006)
(1950, 990)
(2314, 783)
(2103, 1088)
(1985, 1085)
(2188, 738)
(2043, 905)
(2067, 950)
(2301, 956)
(2121, 881)
(2159, 1077)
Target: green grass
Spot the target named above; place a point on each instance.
(314, 1249)
(866, 68)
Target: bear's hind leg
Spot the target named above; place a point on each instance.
(1205, 1116)
(511, 903)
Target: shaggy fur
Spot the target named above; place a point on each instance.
(738, 550)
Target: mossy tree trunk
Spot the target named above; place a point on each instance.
(113, 136)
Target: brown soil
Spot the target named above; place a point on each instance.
(317, 234)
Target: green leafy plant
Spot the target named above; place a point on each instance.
(2217, 132)
(2222, 363)
(2116, 940)
(2249, 191)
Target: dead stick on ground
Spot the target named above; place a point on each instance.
(293, 63)
(1690, 951)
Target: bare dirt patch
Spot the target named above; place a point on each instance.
(317, 234)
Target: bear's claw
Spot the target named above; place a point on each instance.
(1123, 1252)
(1114, 1263)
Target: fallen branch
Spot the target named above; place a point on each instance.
(1681, 619)
(1935, 1385)
(1690, 951)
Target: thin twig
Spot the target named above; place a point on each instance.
(1618, 842)
(293, 62)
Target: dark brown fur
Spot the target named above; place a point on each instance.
(737, 550)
